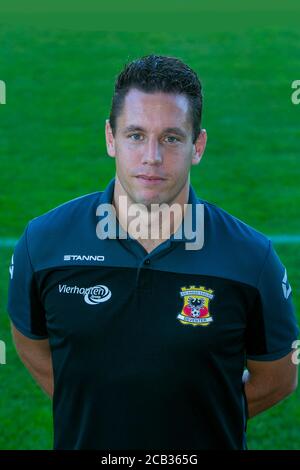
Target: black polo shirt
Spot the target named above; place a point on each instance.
(149, 349)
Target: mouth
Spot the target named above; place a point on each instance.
(150, 178)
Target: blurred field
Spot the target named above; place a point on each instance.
(59, 87)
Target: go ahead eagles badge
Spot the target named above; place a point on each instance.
(195, 310)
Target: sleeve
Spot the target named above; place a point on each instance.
(24, 306)
(272, 326)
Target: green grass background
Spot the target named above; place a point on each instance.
(59, 87)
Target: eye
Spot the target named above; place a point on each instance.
(135, 137)
(172, 139)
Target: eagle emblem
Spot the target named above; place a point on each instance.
(195, 310)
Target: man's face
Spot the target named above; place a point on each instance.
(153, 147)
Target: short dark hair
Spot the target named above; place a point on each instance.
(159, 73)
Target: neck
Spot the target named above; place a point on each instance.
(153, 224)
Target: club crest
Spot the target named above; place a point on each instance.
(195, 310)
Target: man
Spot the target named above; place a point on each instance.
(143, 341)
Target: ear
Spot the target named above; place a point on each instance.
(199, 147)
(110, 140)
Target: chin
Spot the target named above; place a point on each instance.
(148, 200)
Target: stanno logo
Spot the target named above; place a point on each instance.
(92, 295)
(83, 258)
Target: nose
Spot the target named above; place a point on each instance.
(152, 155)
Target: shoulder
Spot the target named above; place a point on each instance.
(234, 229)
(61, 227)
(65, 213)
(235, 245)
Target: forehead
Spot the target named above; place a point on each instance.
(170, 109)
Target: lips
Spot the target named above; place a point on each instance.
(150, 181)
(150, 178)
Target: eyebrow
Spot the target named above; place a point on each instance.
(170, 130)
